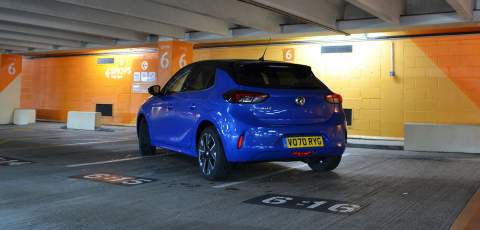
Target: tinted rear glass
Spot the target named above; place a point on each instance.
(203, 77)
(277, 76)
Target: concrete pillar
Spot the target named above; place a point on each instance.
(173, 56)
(10, 86)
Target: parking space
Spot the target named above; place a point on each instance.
(69, 185)
(393, 87)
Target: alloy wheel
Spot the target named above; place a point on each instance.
(207, 153)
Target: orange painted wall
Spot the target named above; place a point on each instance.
(459, 59)
(57, 85)
(437, 79)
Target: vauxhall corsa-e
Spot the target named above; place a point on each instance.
(227, 112)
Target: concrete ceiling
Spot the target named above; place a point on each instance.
(38, 26)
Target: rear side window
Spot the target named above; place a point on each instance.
(176, 83)
(203, 77)
(276, 76)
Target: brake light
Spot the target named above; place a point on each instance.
(240, 142)
(244, 97)
(334, 98)
(302, 154)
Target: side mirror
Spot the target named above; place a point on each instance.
(155, 90)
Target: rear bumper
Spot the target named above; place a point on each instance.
(287, 155)
(267, 143)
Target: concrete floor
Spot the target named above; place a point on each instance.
(396, 189)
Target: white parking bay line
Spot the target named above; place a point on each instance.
(259, 177)
(70, 144)
(114, 161)
(104, 162)
(95, 142)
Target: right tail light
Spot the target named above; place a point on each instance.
(334, 98)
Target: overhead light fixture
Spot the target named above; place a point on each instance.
(127, 51)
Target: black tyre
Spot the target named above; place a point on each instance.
(211, 156)
(324, 164)
(146, 148)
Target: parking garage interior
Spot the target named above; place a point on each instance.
(74, 74)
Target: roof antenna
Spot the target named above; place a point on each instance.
(262, 58)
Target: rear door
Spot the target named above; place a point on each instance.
(164, 118)
(194, 95)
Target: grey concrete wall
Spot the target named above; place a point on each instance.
(442, 138)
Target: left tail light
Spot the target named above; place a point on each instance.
(244, 97)
(334, 98)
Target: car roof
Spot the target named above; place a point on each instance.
(245, 61)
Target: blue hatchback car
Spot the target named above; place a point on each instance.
(236, 111)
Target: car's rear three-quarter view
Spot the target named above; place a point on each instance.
(228, 112)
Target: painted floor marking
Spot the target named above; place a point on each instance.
(302, 165)
(115, 179)
(116, 160)
(305, 203)
(468, 218)
(7, 161)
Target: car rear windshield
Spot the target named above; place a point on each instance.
(276, 76)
